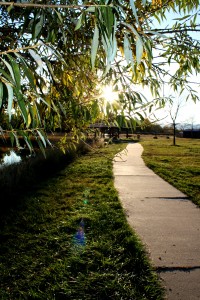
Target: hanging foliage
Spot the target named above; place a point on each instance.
(53, 57)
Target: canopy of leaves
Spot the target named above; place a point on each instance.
(55, 55)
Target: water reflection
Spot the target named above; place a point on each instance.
(10, 159)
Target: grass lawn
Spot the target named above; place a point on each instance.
(70, 240)
(179, 165)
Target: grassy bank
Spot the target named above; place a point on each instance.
(70, 240)
(179, 165)
(21, 178)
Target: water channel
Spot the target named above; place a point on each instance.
(10, 158)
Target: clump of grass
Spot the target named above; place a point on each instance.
(39, 258)
(179, 165)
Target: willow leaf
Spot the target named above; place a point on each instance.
(108, 19)
(16, 71)
(48, 64)
(31, 116)
(10, 7)
(95, 44)
(41, 147)
(182, 18)
(9, 68)
(7, 77)
(134, 10)
(36, 112)
(59, 16)
(21, 104)
(132, 29)
(10, 100)
(79, 22)
(27, 140)
(38, 26)
(27, 72)
(127, 50)
(12, 138)
(42, 138)
(139, 50)
(151, 32)
(90, 9)
(1, 94)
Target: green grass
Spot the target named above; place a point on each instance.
(39, 258)
(179, 165)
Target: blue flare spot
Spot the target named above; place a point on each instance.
(79, 238)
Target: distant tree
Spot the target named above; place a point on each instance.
(151, 127)
(168, 129)
(174, 109)
(191, 122)
(146, 125)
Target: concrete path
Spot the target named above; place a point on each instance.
(166, 221)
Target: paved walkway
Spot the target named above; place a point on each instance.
(166, 221)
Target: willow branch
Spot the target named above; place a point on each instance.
(163, 31)
(20, 49)
(50, 5)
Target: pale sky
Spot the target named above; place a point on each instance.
(189, 111)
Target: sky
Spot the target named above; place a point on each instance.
(189, 111)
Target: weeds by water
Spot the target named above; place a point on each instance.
(179, 165)
(40, 256)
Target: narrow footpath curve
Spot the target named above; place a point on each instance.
(166, 221)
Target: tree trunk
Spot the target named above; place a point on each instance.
(174, 134)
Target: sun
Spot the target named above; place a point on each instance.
(108, 94)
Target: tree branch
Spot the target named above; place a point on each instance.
(51, 5)
(20, 49)
(163, 31)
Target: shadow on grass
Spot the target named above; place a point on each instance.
(21, 179)
(44, 253)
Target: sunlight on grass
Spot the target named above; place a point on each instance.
(179, 165)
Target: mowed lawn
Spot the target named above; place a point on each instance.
(179, 165)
